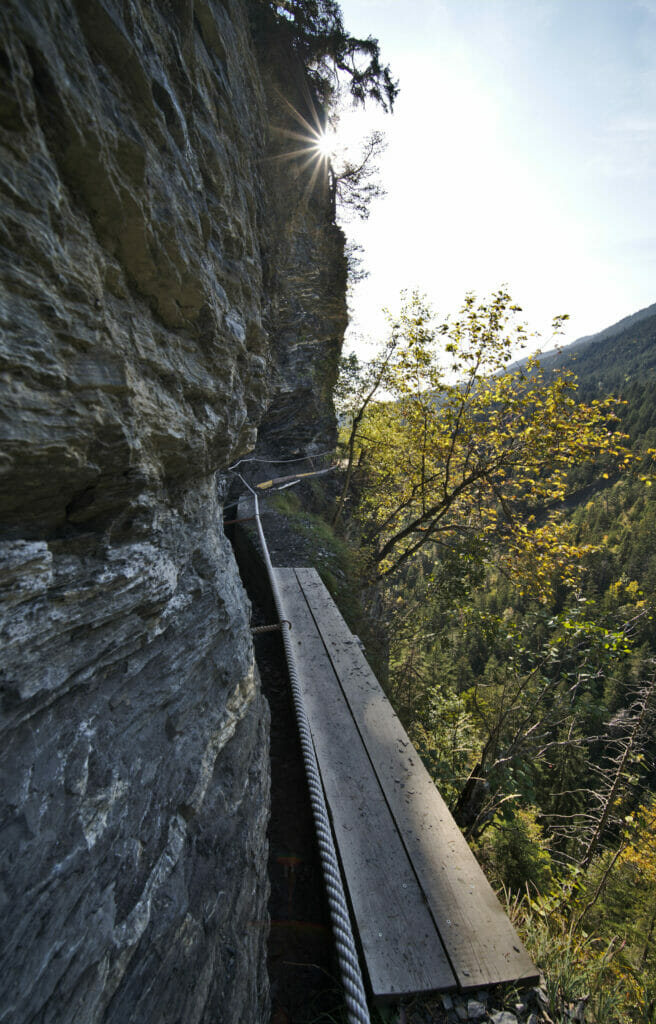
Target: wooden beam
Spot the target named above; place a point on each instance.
(401, 946)
(482, 945)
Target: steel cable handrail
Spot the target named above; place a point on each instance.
(354, 993)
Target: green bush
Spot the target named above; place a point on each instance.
(516, 854)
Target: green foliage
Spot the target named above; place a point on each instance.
(444, 735)
(465, 449)
(604, 955)
(577, 966)
(316, 28)
(515, 852)
(627, 883)
(515, 538)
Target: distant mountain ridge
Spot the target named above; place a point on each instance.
(612, 358)
(624, 324)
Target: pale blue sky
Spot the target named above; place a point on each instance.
(522, 151)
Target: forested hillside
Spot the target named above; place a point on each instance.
(513, 532)
(620, 360)
(610, 356)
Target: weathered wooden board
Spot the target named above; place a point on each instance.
(401, 946)
(480, 941)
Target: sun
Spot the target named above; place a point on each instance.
(315, 146)
(324, 143)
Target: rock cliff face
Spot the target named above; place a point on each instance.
(169, 287)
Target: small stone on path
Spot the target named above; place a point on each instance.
(475, 1010)
(579, 1012)
(503, 1017)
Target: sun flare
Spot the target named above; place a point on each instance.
(311, 145)
(324, 144)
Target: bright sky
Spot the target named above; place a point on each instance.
(522, 151)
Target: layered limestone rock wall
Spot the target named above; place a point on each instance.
(169, 286)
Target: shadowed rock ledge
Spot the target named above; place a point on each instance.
(168, 287)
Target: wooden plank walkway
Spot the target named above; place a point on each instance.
(426, 916)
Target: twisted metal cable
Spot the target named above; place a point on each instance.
(354, 994)
(272, 628)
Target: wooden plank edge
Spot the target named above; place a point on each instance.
(439, 967)
(474, 975)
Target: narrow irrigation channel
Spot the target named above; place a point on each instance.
(303, 969)
(303, 975)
